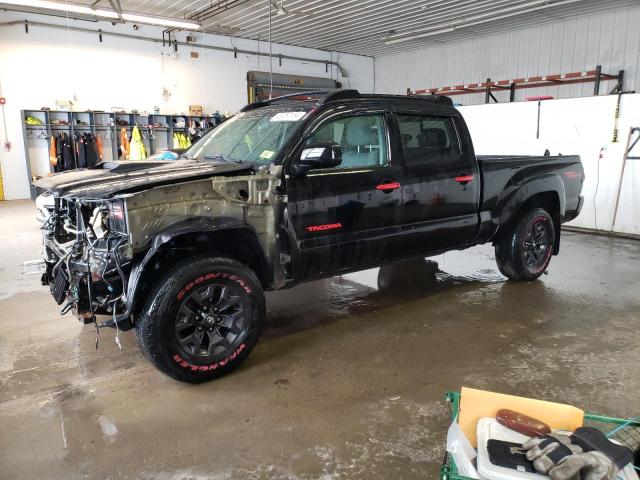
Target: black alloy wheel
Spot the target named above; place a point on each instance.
(524, 248)
(210, 320)
(536, 243)
(202, 319)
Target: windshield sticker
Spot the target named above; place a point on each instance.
(267, 154)
(287, 116)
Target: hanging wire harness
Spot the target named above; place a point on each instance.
(86, 253)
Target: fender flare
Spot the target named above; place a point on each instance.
(192, 225)
(510, 204)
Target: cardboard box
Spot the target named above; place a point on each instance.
(64, 105)
(195, 110)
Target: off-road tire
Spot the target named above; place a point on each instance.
(157, 327)
(514, 254)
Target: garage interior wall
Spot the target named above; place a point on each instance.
(610, 39)
(46, 65)
(574, 123)
(582, 126)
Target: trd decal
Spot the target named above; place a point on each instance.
(322, 228)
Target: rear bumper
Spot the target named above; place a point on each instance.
(580, 204)
(571, 214)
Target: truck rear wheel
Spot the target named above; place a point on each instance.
(524, 252)
(202, 319)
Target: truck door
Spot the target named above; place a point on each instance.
(344, 217)
(441, 187)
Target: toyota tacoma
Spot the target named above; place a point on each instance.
(289, 190)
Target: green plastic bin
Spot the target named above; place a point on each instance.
(625, 431)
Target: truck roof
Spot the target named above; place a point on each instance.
(323, 97)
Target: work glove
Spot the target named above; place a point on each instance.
(556, 456)
(592, 465)
(548, 451)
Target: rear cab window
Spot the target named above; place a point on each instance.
(428, 140)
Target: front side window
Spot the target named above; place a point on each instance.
(362, 138)
(428, 140)
(254, 136)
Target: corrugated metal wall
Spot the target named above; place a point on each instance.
(610, 39)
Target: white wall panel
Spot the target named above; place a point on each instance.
(610, 39)
(580, 126)
(577, 123)
(38, 68)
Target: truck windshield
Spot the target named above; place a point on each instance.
(255, 136)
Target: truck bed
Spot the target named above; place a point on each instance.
(503, 176)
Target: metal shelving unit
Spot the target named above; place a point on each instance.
(105, 125)
(596, 76)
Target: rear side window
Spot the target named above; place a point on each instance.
(428, 140)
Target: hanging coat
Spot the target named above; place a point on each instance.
(99, 147)
(59, 158)
(91, 149)
(137, 150)
(180, 140)
(65, 152)
(80, 147)
(53, 155)
(124, 144)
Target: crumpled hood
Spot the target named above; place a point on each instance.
(113, 178)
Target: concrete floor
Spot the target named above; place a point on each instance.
(347, 382)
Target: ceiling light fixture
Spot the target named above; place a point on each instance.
(166, 22)
(480, 19)
(420, 35)
(100, 12)
(65, 7)
(527, 10)
(464, 21)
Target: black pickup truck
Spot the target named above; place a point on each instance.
(288, 190)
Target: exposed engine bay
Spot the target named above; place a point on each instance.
(87, 256)
(94, 248)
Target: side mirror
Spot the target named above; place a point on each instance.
(317, 155)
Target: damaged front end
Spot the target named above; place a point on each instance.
(88, 256)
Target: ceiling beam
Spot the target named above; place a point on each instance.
(115, 4)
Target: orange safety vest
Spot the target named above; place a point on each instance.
(53, 156)
(124, 143)
(99, 146)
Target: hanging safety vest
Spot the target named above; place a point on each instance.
(124, 144)
(99, 147)
(136, 148)
(180, 140)
(53, 153)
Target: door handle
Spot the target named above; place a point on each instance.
(463, 178)
(388, 186)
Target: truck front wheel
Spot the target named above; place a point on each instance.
(524, 252)
(202, 319)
